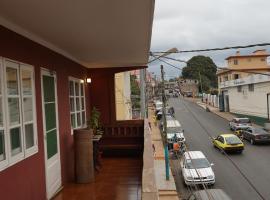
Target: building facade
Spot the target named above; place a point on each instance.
(122, 96)
(249, 95)
(244, 88)
(240, 66)
(189, 86)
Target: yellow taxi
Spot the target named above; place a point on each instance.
(228, 143)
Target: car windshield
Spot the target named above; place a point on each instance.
(174, 130)
(233, 140)
(169, 117)
(260, 131)
(243, 121)
(197, 163)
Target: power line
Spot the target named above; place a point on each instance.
(158, 58)
(215, 49)
(222, 68)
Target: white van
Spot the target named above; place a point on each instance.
(175, 131)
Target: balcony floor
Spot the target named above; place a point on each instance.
(119, 179)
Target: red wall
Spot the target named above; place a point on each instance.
(26, 179)
(102, 91)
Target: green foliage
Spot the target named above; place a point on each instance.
(214, 91)
(172, 79)
(94, 120)
(201, 67)
(135, 89)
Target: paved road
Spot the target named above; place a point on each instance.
(253, 162)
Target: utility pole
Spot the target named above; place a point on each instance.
(142, 90)
(164, 133)
(201, 83)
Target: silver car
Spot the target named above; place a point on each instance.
(240, 123)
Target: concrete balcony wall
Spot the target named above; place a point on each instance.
(149, 187)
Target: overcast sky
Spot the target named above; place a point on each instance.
(200, 24)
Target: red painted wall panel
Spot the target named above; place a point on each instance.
(26, 179)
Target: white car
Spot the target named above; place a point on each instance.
(240, 123)
(158, 106)
(196, 169)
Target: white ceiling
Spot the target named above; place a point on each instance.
(95, 33)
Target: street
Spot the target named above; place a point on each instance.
(254, 162)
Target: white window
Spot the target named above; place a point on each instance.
(77, 103)
(18, 134)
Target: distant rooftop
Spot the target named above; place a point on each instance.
(257, 53)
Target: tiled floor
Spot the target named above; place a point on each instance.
(119, 179)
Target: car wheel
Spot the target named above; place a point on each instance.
(252, 141)
(221, 150)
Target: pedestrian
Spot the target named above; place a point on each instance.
(154, 150)
(171, 111)
(155, 120)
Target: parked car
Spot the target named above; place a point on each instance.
(175, 133)
(189, 94)
(168, 118)
(228, 143)
(196, 169)
(215, 194)
(240, 123)
(158, 106)
(256, 135)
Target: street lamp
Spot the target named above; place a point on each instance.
(172, 50)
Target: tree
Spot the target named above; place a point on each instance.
(172, 79)
(201, 67)
(134, 87)
(135, 92)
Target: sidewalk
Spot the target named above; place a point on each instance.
(167, 189)
(225, 115)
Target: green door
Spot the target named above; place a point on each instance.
(51, 136)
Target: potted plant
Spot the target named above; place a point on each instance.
(94, 122)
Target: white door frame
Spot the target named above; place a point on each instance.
(57, 156)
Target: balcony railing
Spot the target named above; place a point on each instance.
(256, 78)
(125, 135)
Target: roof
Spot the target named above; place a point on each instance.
(171, 135)
(247, 56)
(228, 135)
(173, 123)
(93, 33)
(239, 118)
(194, 154)
(222, 71)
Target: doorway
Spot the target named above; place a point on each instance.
(51, 133)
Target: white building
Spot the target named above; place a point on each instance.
(122, 96)
(248, 96)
